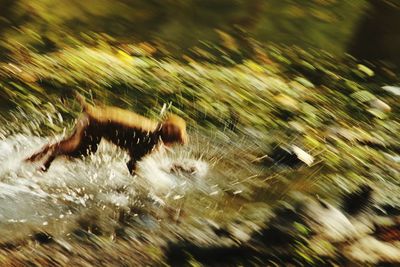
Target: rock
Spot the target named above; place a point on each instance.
(303, 156)
(328, 221)
(380, 105)
(283, 156)
(395, 90)
(292, 157)
(357, 201)
(371, 250)
(395, 158)
(42, 237)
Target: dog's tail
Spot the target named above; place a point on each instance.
(82, 101)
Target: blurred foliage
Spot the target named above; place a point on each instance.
(47, 24)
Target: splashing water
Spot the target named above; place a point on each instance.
(29, 198)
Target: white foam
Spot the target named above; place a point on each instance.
(102, 178)
(169, 174)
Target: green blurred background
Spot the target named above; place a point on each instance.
(364, 28)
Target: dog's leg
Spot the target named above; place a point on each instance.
(45, 166)
(137, 155)
(43, 152)
(79, 143)
(40, 154)
(131, 164)
(52, 148)
(86, 146)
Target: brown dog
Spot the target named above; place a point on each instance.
(128, 130)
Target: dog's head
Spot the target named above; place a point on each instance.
(173, 130)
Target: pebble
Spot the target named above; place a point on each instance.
(303, 156)
(395, 90)
(380, 105)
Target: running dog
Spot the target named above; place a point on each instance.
(136, 134)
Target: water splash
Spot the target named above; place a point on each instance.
(31, 198)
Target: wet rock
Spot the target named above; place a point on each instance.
(380, 105)
(65, 245)
(303, 156)
(238, 234)
(297, 126)
(81, 234)
(283, 156)
(388, 73)
(395, 90)
(263, 245)
(298, 88)
(293, 157)
(328, 222)
(370, 250)
(42, 238)
(312, 73)
(357, 201)
(350, 86)
(91, 223)
(284, 114)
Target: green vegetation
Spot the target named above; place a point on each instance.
(181, 25)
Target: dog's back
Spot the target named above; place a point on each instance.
(106, 114)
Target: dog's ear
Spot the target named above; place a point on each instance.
(173, 130)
